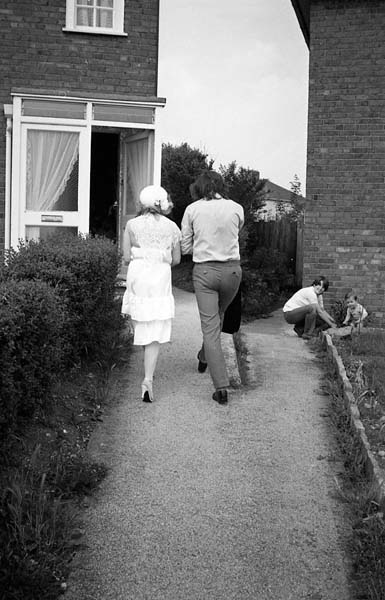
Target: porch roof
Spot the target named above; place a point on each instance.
(97, 96)
(302, 10)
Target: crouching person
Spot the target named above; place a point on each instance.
(305, 309)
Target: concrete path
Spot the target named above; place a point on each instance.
(203, 501)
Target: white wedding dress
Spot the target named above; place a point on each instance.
(148, 297)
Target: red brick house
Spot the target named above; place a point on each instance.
(78, 88)
(344, 232)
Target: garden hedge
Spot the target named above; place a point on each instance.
(57, 306)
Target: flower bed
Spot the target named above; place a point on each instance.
(364, 359)
(360, 364)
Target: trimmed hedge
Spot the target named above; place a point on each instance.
(83, 270)
(32, 317)
(57, 306)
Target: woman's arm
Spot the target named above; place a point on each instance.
(129, 240)
(175, 255)
(127, 243)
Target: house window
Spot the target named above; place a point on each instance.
(95, 16)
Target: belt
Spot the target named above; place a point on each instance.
(230, 263)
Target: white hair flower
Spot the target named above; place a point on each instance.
(155, 197)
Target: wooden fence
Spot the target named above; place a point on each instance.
(284, 235)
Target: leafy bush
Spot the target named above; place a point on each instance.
(273, 266)
(257, 298)
(266, 276)
(338, 311)
(84, 271)
(32, 318)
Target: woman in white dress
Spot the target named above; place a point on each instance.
(152, 247)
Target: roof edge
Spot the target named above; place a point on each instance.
(84, 96)
(302, 10)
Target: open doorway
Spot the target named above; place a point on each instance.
(104, 185)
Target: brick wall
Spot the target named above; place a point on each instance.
(344, 234)
(36, 53)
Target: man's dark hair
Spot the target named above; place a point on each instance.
(323, 280)
(208, 185)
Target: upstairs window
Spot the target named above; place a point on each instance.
(95, 16)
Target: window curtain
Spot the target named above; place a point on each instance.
(51, 156)
(95, 13)
(137, 164)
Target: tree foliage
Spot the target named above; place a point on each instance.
(181, 165)
(297, 203)
(244, 186)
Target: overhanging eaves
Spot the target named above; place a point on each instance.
(302, 10)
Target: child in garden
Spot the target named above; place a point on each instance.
(355, 316)
(355, 313)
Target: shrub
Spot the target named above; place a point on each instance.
(84, 271)
(32, 318)
(257, 298)
(274, 268)
(338, 311)
(266, 276)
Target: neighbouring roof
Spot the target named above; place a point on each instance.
(302, 10)
(277, 193)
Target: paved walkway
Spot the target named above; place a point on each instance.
(203, 501)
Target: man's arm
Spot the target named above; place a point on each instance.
(323, 313)
(326, 317)
(241, 218)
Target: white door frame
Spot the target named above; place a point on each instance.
(21, 124)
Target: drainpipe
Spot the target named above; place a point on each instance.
(8, 111)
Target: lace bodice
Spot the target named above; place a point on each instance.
(153, 232)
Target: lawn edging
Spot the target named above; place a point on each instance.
(231, 359)
(371, 465)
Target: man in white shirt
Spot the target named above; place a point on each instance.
(305, 309)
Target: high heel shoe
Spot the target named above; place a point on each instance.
(147, 393)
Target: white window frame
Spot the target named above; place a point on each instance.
(116, 29)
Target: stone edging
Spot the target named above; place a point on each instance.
(371, 463)
(230, 354)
